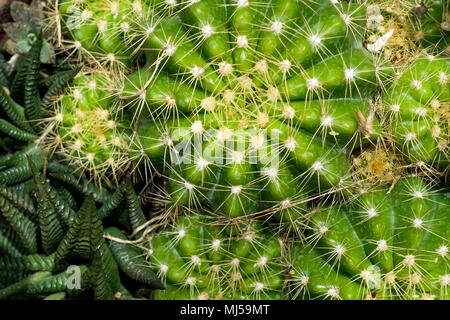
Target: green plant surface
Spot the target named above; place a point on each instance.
(199, 260)
(417, 108)
(384, 245)
(431, 20)
(278, 97)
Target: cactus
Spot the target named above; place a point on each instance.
(251, 109)
(96, 31)
(382, 245)
(86, 121)
(198, 259)
(432, 23)
(295, 103)
(416, 107)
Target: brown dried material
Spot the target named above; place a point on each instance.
(420, 10)
(4, 9)
(377, 166)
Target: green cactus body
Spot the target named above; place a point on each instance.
(432, 27)
(383, 246)
(99, 28)
(86, 123)
(246, 107)
(417, 106)
(199, 260)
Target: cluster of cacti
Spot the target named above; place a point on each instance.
(285, 158)
(232, 106)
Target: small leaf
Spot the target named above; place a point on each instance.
(23, 226)
(136, 214)
(59, 81)
(14, 132)
(19, 198)
(131, 260)
(84, 187)
(85, 234)
(32, 103)
(51, 205)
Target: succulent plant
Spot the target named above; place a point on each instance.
(247, 110)
(287, 83)
(417, 108)
(383, 245)
(22, 107)
(432, 23)
(42, 226)
(94, 132)
(198, 259)
(22, 32)
(40, 239)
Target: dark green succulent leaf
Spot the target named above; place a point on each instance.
(8, 278)
(11, 237)
(23, 284)
(52, 208)
(113, 203)
(24, 85)
(7, 248)
(59, 81)
(97, 279)
(21, 224)
(50, 284)
(85, 234)
(4, 71)
(59, 165)
(84, 186)
(21, 171)
(29, 263)
(136, 214)
(27, 186)
(15, 132)
(4, 79)
(50, 227)
(5, 160)
(85, 241)
(19, 198)
(14, 111)
(32, 150)
(66, 197)
(32, 101)
(131, 260)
